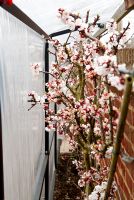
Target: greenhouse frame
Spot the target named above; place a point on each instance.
(29, 154)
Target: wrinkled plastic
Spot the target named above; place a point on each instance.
(22, 130)
(44, 12)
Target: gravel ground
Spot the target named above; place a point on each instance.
(66, 187)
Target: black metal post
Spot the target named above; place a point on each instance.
(60, 33)
(1, 162)
(55, 108)
(46, 133)
(100, 25)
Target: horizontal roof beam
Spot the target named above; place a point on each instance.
(58, 33)
(19, 14)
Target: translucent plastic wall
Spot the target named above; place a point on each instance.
(22, 130)
(44, 12)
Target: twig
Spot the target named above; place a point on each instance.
(100, 118)
(51, 52)
(96, 20)
(81, 131)
(71, 103)
(76, 185)
(47, 73)
(68, 38)
(110, 113)
(115, 48)
(32, 106)
(87, 16)
(67, 85)
(129, 39)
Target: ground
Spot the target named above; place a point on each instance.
(66, 187)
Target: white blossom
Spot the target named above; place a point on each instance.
(98, 192)
(36, 68)
(111, 26)
(78, 22)
(115, 82)
(109, 152)
(81, 183)
(122, 67)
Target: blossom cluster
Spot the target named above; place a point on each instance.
(36, 69)
(99, 192)
(75, 22)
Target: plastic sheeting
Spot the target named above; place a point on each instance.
(129, 18)
(22, 130)
(44, 12)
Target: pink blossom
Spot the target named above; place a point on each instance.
(36, 69)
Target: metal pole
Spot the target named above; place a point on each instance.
(56, 156)
(1, 162)
(46, 133)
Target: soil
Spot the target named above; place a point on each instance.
(66, 187)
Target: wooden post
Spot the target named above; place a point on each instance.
(129, 4)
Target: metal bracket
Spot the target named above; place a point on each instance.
(126, 158)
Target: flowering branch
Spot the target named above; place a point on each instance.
(89, 120)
